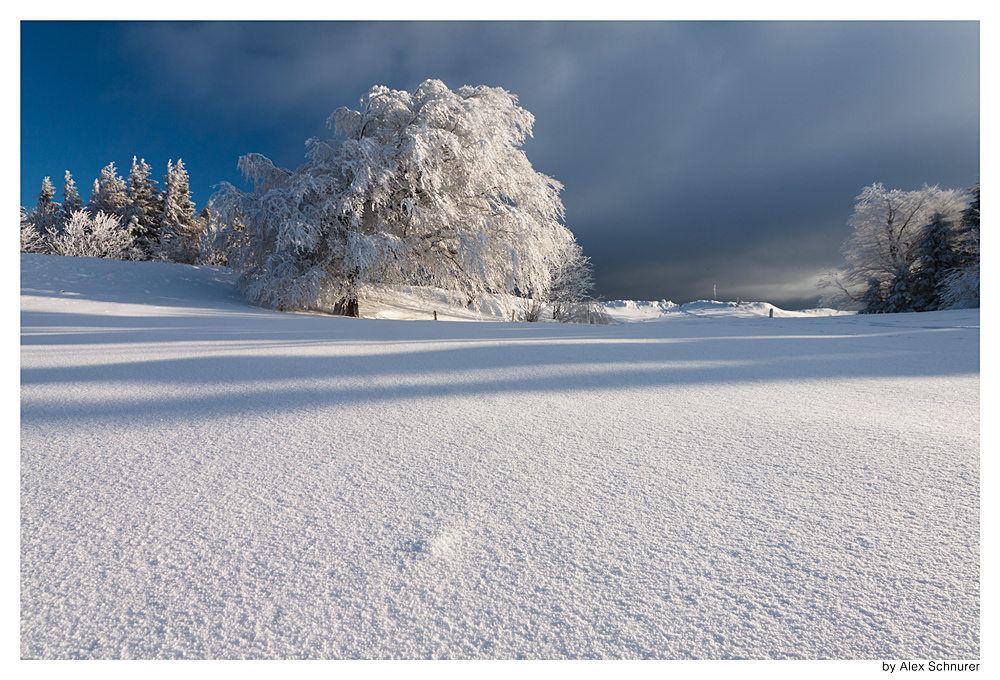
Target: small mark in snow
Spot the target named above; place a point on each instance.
(415, 547)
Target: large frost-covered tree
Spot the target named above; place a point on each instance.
(881, 253)
(430, 188)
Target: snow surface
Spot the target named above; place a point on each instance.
(204, 479)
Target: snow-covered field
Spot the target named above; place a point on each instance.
(203, 479)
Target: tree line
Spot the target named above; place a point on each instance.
(128, 218)
(432, 190)
(429, 190)
(910, 251)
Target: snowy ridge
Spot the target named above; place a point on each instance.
(632, 310)
(204, 479)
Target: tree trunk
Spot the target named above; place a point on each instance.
(348, 307)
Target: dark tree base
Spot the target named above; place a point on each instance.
(346, 308)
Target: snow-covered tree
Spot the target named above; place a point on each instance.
(32, 239)
(47, 213)
(881, 251)
(960, 287)
(428, 189)
(572, 279)
(934, 256)
(970, 216)
(71, 197)
(213, 240)
(100, 235)
(142, 213)
(110, 194)
(899, 297)
(178, 225)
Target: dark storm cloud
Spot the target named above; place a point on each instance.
(692, 154)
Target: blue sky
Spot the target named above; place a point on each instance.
(693, 154)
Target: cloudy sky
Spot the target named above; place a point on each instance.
(694, 154)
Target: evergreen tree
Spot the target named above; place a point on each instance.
(970, 216)
(934, 256)
(900, 296)
(967, 239)
(71, 197)
(142, 214)
(47, 214)
(109, 195)
(178, 226)
(961, 285)
(95, 197)
(873, 300)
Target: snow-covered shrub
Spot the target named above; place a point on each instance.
(32, 239)
(533, 309)
(99, 236)
(213, 240)
(588, 311)
(960, 289)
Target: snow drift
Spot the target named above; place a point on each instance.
(203, 479)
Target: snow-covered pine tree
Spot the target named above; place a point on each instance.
(95, 195)
(109, 194)
(427, 189)
(900, 297)
(71, 197)
(934, 255)
(874, 296)
(47, 213)
(178, 226)
(970, 216)
(142, 213)
(960, 288)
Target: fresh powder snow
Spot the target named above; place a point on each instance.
(204, 479)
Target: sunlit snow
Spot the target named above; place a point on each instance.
(204, 479)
